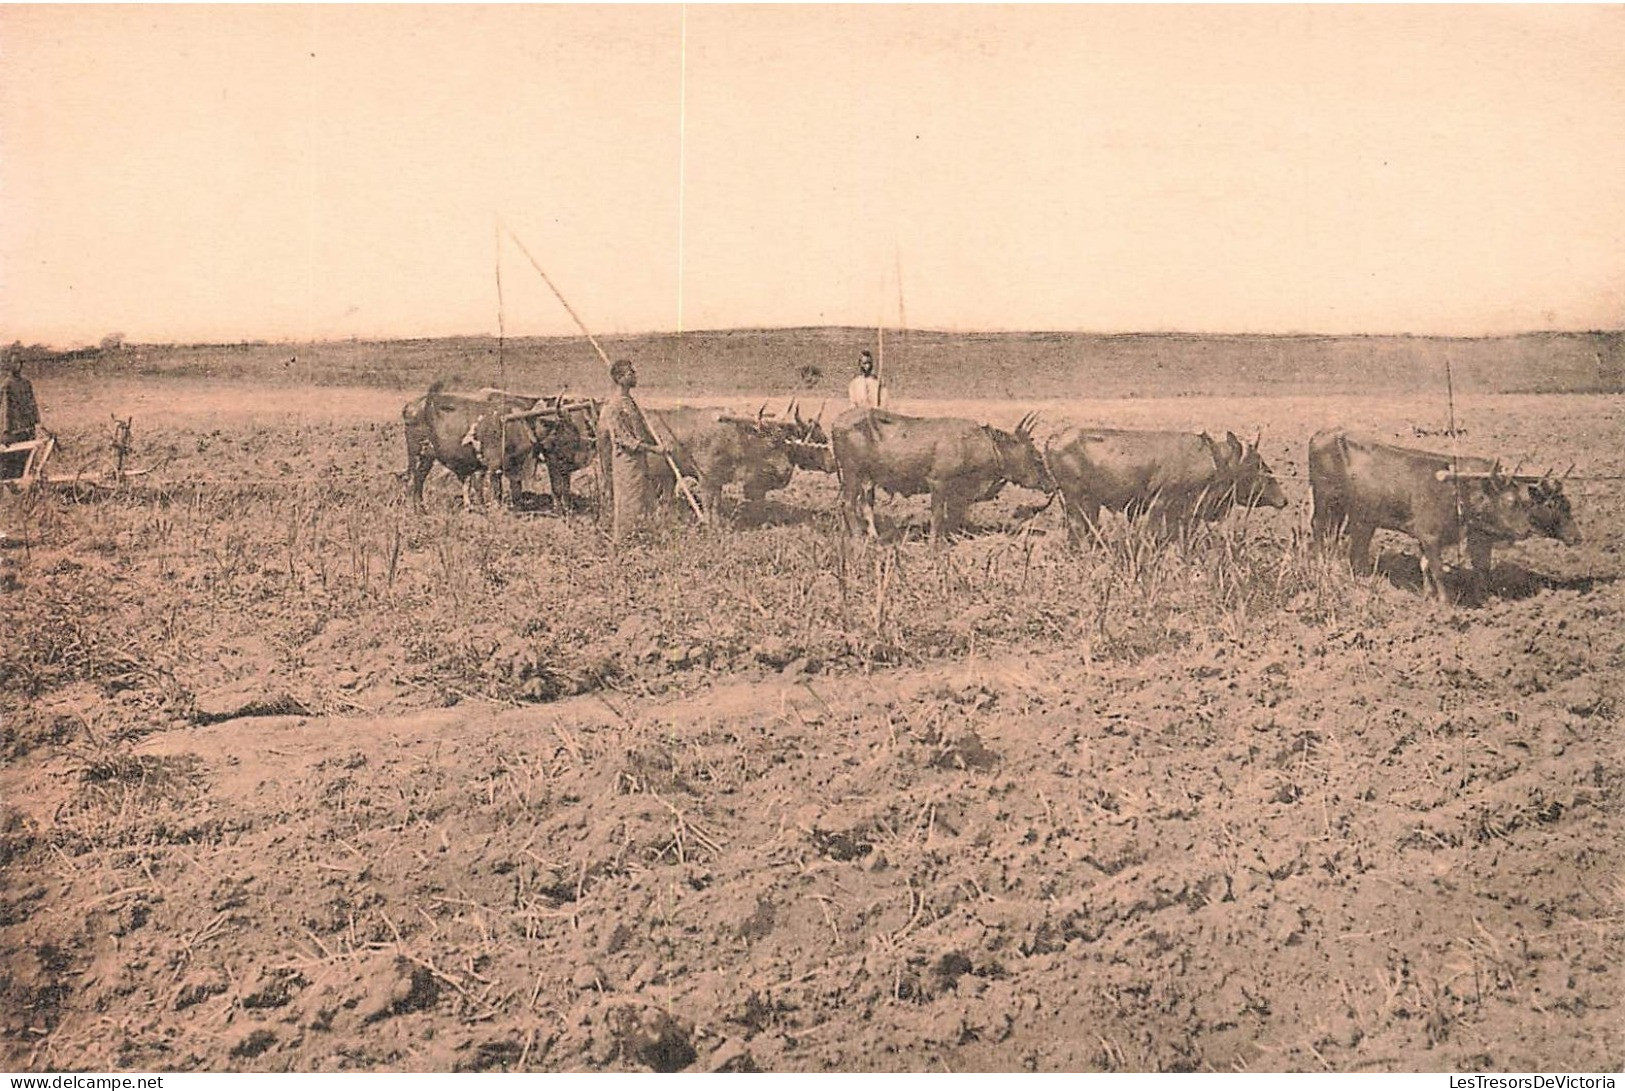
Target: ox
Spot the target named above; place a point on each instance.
(718, 450)
(1361, 485)
(474, 438)
(566, 442)
(1174, 478)
(959, 462)
(803, 441)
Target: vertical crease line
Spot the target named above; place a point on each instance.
(310, 181)
(682, 169)
(502, 368)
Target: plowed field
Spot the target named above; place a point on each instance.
(298, 779)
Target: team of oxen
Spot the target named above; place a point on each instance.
(1173, 480)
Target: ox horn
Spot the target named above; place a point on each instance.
(1025, 428)
(1568, 471)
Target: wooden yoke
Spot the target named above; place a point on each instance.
(554, 411)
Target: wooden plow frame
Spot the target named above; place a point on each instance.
(40, 450)
(39, 453)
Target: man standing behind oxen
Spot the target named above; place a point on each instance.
(626, 447)
(864, 391)
(19, 417)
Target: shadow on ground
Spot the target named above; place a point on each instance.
(1506, 581)
(771, 513)
(541, 503)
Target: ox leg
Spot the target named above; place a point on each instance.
(419, 461)
(1326, 522)
(853, 495)
(558, 483)
(1478, 556)
(1433, 572)
(516, 484)
(417, 470)
(1360, 549)
(947, 513)
(711, 501)
(1162, 524)
(1082, 519)
(676, 502)
(849, 510)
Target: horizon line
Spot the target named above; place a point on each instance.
(732, 330)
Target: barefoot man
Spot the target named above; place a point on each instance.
(19, 417)
(628, 446)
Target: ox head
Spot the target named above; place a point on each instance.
(1510, 507)
(1495, 503)
(803, 441)
(1019, 460)
(569, 438)
(769, 468)
(1253, 481)
(766, 477)
(810, 447)
(759, 452)
(1550, 514)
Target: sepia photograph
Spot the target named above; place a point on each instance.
(812, 538)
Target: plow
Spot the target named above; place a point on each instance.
(36, 473)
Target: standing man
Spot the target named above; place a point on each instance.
(626, 444)
(19, 417)
(864, 390)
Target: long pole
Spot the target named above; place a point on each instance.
(902, 312)
(565, 303)
(682, 485)
(1455, 460)
(502, 369)
(880, 358)
(502, 365)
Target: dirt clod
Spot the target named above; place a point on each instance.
(653, 1039)
(254, 1043)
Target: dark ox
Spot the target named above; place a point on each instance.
(958, 462)
(470, 437)
(719, 450)
(1173, 478)
(803, 441)
(1362, 485)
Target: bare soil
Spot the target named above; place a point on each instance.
(297, 779)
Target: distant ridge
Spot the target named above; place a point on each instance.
(922, 363)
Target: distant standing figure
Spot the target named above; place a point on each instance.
(864, 390)
(627, 444)
(19, 418)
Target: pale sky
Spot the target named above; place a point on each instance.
(226, 172)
